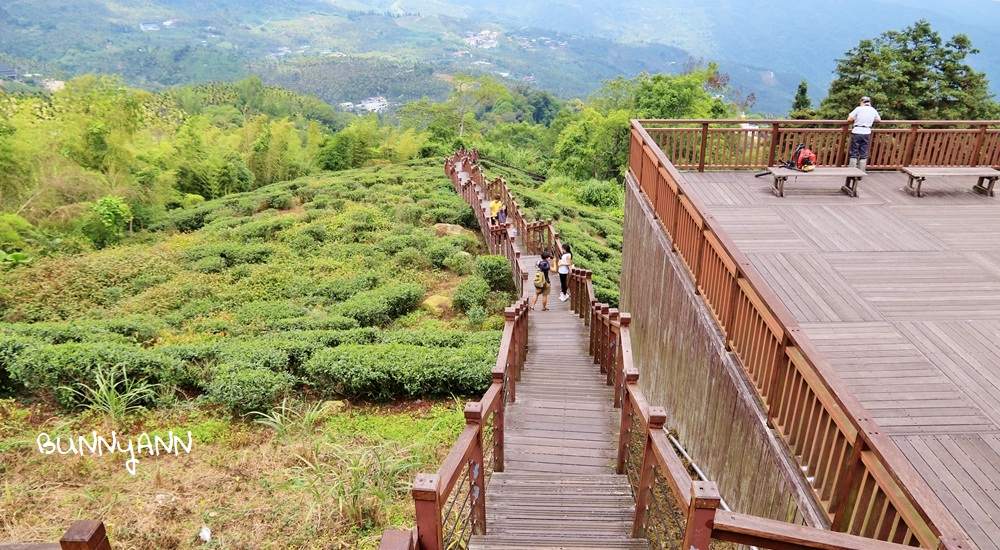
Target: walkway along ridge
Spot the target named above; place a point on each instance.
(563, 451)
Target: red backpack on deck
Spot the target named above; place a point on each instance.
(804, 159)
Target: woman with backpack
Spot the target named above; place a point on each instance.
(542, 284)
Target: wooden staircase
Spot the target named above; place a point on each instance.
(559, 488)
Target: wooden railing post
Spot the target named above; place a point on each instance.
(498, 425)
(644, 492)
(477, 471)
(624, 355)
(595, 323)
(911, 145)
(631, 379)
(701, 515)
(704, 146)
(978, 149)
(843, 498)
(611, 348)
(85, 535)
(601, 341)
(427, 501)
(775, 135)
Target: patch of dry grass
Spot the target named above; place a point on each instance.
(240, 480)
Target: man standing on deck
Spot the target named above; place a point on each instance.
(864, 116)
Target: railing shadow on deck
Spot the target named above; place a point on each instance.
(857, 474)
(672, 507)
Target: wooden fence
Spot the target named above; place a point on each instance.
(675, 510)
(857, 474)
(751, 145)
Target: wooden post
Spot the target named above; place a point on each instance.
(775, 133)
(704, 146)
(498, 426)
(842, 148)
(911, 145)
(397, 539)
(631, 378)
(602, 335)
(625, 321)
(844, 497)
(477, 470)
(588, 281)
(611, 348)
(427, 501)
(781, 369)
(85, 535)
(644, 492)
(595, 323)
(978, 149)
(701, 515)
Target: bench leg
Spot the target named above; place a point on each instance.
(985, 189)
(779, 186)
(911, 188)
(851, 187)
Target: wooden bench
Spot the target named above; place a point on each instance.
(986, 175)
(852, 176)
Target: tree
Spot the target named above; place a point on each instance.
(471, 94)
(911, 75)
(802, 105)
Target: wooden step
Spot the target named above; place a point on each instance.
(511, 542)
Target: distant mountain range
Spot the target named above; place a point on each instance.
(568, 48)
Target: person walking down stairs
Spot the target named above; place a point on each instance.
(542, 284)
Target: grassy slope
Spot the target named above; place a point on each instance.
(243, 480)
(245, 273)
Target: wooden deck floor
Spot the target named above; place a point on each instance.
(559, 488)
(903, 296)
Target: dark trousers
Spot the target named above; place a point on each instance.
(564, 282)
(859, 146)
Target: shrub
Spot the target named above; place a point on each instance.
(141, 329)
(440, 251)
(264, 313)
(342, 288)
(326, 322)
(63, 332)
(461, 263)
(10, 348)
(254, 353)
(411, 258)
(390, 371)
(477, 316)
(427, 337)
(211, 264)
(59, 367)
(496, 271)
(265, 229)
(248, 389)
(471, 292)
(378, 307)
(279, 201)
(603, 194)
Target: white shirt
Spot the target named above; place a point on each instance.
(864, 117)
(564, 260)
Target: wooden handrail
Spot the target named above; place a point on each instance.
(798, 374)
(730, 144)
